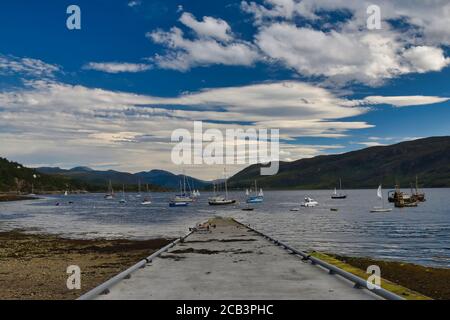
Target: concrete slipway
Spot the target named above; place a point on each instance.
(230, 262)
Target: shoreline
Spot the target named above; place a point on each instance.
(425, 281)
(12, 197)
(33, 266)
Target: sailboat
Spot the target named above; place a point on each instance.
(257, 198)
(110, 194)
(182, 199)
(32, 190)
(218, 200)
(339, 195)
(123, 200)
(183, 196)
(147, 200)
(139, 189)
(380, 196)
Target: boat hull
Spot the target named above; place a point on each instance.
(338, 197)
(221, 203)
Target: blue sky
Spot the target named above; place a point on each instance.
(109, 95)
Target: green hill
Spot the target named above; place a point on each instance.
(15, 177)
(428, 158)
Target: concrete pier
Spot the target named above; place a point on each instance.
(232, 262)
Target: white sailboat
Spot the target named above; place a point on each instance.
(182, 199)
(380, 196)
(218, 200)
(147, 200)
(110, 194)
(139, 189)
(123, 200)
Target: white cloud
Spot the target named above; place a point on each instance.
(208, 28)
(347, 51)
(183, 54)
(405, 101)
(424, 59)
(27, 67)
(134, 3)
(117, 67)
(74, 123)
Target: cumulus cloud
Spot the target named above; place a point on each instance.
(424, 58)
(117, 67)
(345, 50)
(183, 53)
(209, 28)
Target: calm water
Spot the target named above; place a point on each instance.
(419, 235)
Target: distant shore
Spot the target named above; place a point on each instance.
(12, 197)
(34, 266)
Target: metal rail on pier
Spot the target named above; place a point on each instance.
(104, 287)
(358, 282)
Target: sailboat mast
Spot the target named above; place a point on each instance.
(226, 186)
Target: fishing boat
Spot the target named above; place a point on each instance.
(147, 200)
(218, 200)
(257, 198)
(418, 196)
(309, 203)
(340, 195)
(110, 194)
(382, 208)
(123, 200)
(410, 203)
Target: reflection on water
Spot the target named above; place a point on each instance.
(419, 235)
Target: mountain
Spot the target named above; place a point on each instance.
(16, 177)
(157, 179)
(169, 180)
(428, 158)
(91, 176)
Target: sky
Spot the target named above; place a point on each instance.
(110, 95)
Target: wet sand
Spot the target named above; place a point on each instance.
(34, 266)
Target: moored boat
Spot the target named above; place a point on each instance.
(381, 209)
(309, 203)
(340, 195)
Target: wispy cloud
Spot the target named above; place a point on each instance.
(27, 67)
(134, 3)
(117, 67)
(404, 101)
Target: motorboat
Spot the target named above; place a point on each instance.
(309, 202)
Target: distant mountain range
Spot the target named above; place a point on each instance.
(428, 158)
(160, 178)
